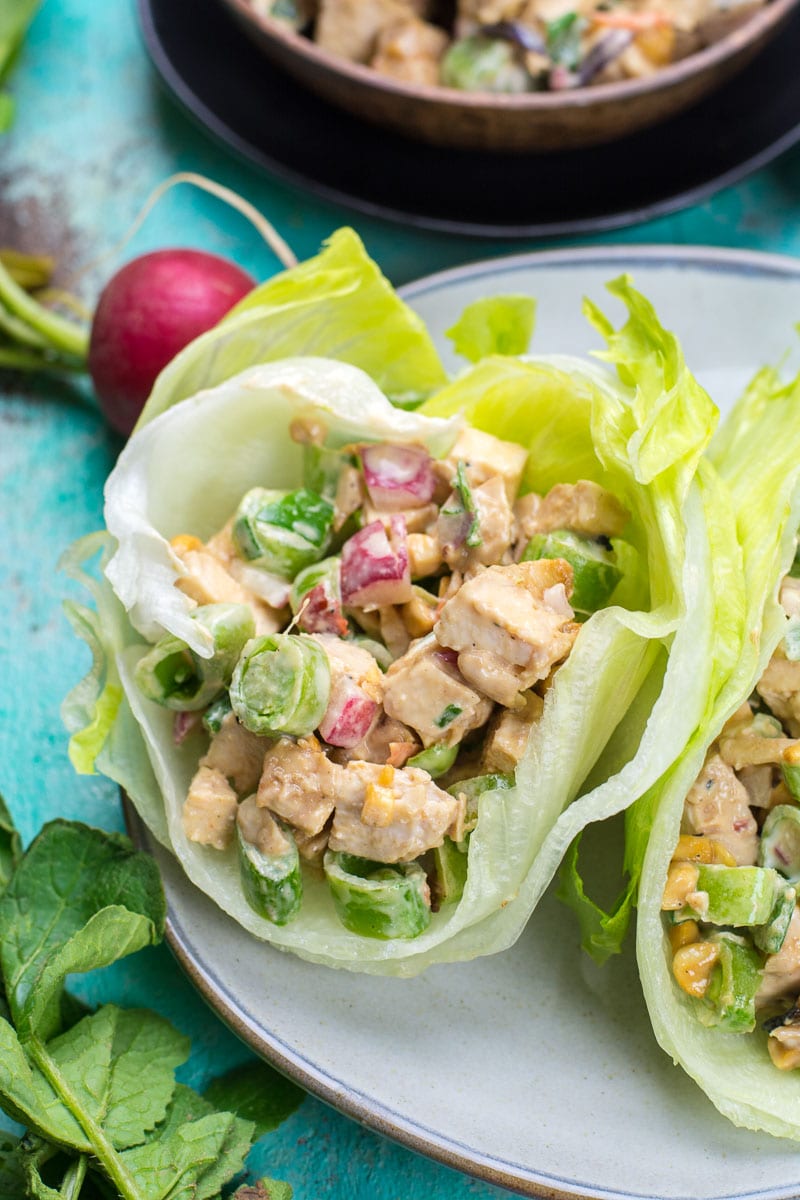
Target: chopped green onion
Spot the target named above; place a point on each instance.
(216, 713)
(450, 871)
(448, 715)
(436, 760)
(779, 847)
(770, 936)
(175, 676)
(468, 501)
(378, 901)
(326, 572)
(281, 685)
(272, 883)
(282, 532)
(729, 1001)
(594, 568)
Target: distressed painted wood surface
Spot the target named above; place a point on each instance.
(93, 136)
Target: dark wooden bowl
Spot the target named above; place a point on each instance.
(537, 121)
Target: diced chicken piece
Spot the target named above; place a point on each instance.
(510, 625)
(495, 521)
(508, 735)
(784, 1046)
(237, 754)
(390, 815)
(758, 782)
(420, 520)
(260, 829)
(377, 746)
(348, 659)
(206, 581)
(779, 688)
(350, 495)
(349, 28)
(410, 51)
(485, 456)
(297, 783)
(209, 810)
(420, 613)
(790, 596)
(583, 507)
(394, 633)
(716, 806)
(782, 970)
(424, 555)
(754, 743)
(312, 847)
(526, 521)
(425, 690)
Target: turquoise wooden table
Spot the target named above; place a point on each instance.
(94, 135)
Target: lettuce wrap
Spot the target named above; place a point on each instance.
(636, 683)
(715, 1030)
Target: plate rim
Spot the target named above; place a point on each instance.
(347, 1100)
(205, 118)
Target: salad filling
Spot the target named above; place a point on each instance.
(730, 900)
(511, 46)
(375, 644)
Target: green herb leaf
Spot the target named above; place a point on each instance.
(27, 1097)
(119, 1066)
(12, 1175)
(192, 1155)
(256, 1093)
(468, 500)
(10, 846)
(495, 325)
(563, 38)
(79, 899)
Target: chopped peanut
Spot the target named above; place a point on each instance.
(681, 882)
(702, 850)
(692, 966)
(683, 934)
(184, 542)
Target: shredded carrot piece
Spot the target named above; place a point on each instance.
(637, 22)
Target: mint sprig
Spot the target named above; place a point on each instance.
(97, 1090)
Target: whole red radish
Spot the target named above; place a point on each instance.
(147, 312)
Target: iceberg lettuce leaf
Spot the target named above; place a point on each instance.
(757, 452)
(494, 325)
(337, 305)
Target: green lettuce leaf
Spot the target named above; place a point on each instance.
(495, 325)
(757, 452)
(336, 305)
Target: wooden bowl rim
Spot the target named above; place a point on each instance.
(585, 97)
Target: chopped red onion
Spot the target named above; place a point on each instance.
(349, 714)
(375, 570)
(183, 724)
(398, 477)
(453, 525)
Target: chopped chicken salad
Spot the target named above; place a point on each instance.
(731, 894)
(511, 46)
(383, 640)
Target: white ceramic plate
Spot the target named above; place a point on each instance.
(533, 1069)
